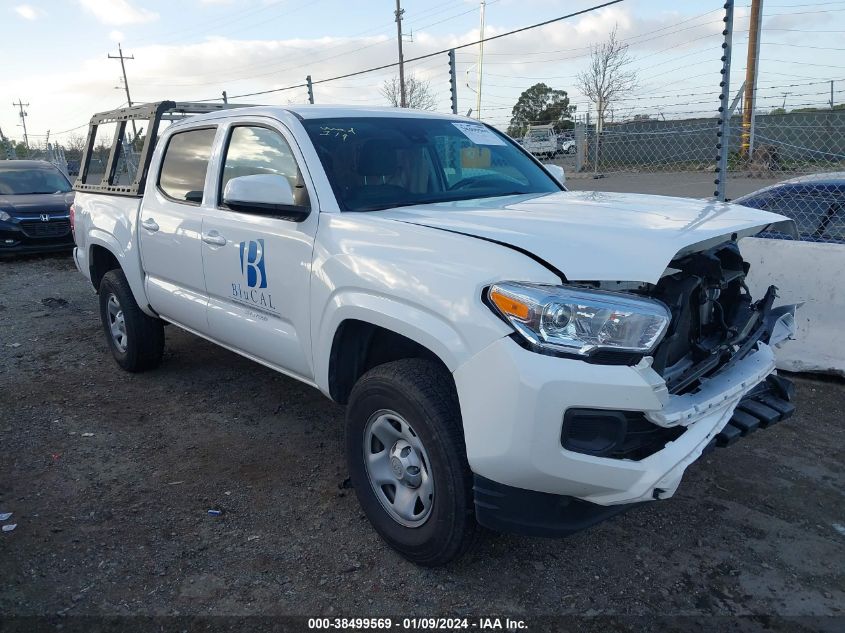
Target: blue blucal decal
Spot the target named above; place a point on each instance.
(252, 263)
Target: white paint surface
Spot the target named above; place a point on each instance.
(809, 272)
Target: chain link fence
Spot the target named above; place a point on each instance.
(50, 152)
(804, 151)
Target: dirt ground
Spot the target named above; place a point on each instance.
(110, 476)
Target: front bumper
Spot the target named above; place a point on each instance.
(516, 510)
(33, 236)
(513, 402)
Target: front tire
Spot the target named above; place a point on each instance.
(135, 339)
(407, 460)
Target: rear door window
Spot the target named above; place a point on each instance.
(185, 164)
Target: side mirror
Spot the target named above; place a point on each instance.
(266, 194)
(557, 172)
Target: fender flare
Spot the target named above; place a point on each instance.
(413, 321)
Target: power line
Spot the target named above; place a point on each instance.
(428, 55)
(274, 70)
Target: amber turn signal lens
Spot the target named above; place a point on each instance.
(509, 306)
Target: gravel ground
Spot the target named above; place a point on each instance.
(110, 477)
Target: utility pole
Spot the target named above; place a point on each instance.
(225, 97)
(121, 57)
(755, 22)
(23, 116)
(480, 64)
(399, 11)
(831, 94)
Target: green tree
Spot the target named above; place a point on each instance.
(541, 105)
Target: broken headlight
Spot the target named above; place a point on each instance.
(579, 321)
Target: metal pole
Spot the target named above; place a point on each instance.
(121, 57)
(723, 134)
(399, 11)
(737, 99)
(597, 141)
(753, 59)
(310, 89)
(831, 94)
(20, 104)
(453, 81)
(480, 64)
(225, 97)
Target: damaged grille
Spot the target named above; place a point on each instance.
(714, 319)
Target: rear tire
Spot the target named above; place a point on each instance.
(135, 339)
(423, 460)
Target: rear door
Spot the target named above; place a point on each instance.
(170, 229)
(258, 273)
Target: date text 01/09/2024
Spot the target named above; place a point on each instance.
(409, 624)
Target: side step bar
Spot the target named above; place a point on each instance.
(767, 404)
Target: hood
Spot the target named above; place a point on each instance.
(31, 205)
(596, 236)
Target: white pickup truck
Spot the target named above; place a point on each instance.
(541, 140)
(512, 354)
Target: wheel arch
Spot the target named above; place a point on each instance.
(100, 261)
(365, 331)
(358, 346)
(105, 254)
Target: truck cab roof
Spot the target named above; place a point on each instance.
(309, 111)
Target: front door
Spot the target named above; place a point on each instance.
(258, 271)
(170, 228)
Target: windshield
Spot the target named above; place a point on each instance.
(381, 162)
(23, 181)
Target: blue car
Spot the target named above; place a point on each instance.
(816, 203)
(35, 199)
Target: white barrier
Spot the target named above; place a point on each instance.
(815, 274)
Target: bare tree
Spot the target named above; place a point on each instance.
(418, 93)
(607, 77)
(74, 145)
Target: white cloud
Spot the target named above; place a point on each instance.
(28, 12)
(116, 36)
(118, 12)
(665, 52)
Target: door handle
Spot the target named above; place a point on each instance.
(214, 238)
(150, 225)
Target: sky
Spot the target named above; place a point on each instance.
(55, 53)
